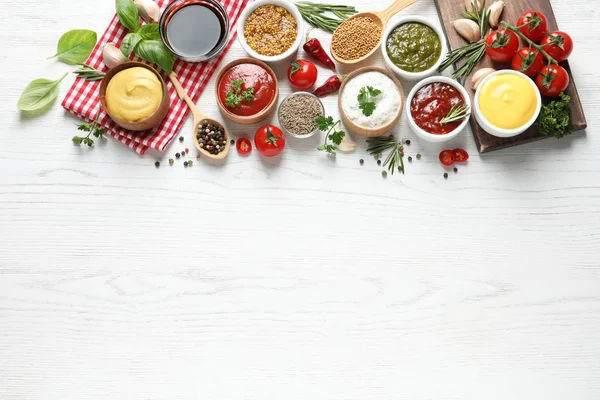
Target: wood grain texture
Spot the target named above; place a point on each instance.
(450, 10)
(322, 280)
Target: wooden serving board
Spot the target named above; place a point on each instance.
(450, 10)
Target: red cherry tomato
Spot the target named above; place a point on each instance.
(243, 146)
(447, 157)
(528, 61)
(302, 74)
(558, 45)
(533, 25)
(501, 45)
(552, 80)
(269, 140)
(460, 155)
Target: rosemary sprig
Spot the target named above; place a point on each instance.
(313, 13)
(89, 73)
(472, 52)
(395, 159)
(458, 112)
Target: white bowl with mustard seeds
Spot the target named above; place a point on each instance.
(259, 30)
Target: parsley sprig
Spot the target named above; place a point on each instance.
(365, 99)
(333, 135)
(235, 95)
(92, 129)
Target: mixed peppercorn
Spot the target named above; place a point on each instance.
(211, 138)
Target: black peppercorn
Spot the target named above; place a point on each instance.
(177, 155)
(378, 162)
(361, 161)
(445, 175)
(232, 142)
(181, 138)
(157, 164)
(409, 159)
(185, 163)
(408, 142)
(455, 169)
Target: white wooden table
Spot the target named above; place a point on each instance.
(301, 277)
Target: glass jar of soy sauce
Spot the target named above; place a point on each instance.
(195, 30)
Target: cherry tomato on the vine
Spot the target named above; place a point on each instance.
(552, 80)
(460, 155)
(243, 146)
(269, 140)
(447, 157)
(501, 45)
(558, 45)
(533, 25)
(528, 61)
(302, 74)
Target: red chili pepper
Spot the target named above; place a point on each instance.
(331, 85)
(314, 48)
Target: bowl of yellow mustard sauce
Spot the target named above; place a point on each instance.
(135, 96)
(507, 103)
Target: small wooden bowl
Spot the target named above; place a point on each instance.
(250, 119)
(155, 119)
(360, 130)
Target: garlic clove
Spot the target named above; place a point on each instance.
(495, 11)
(468, 29)
(148, 10)
(469, 5)
(480, 75)
(347, 145)
(112, 56)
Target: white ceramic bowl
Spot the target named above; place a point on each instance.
(283, 57)
(494, 130)
(430, 137)
(295, 134)
(413, 76)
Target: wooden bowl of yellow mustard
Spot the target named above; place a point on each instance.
(135, 96)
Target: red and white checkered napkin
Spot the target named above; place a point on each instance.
(83, 99)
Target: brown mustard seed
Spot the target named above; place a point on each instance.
(355, 38)
(297, 114)
(270, 30)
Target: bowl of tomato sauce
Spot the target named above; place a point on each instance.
(247, 91)
(431, 105)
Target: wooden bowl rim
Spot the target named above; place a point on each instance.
(166, 99)
(245, 118)
(372, 131)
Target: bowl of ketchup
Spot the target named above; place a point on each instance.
(430, 101)
(247, 91)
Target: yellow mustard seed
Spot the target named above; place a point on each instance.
(270, 30)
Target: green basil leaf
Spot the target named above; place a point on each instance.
(129, 42)
(155, 52)
(128, 14)
(149, 32)
(39, 95)
(74, 47)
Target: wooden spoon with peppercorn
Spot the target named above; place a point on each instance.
(379, 19)
(215, 128)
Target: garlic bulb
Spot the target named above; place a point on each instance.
(469, 5)
(495, 11)
(468, 29)
(347, 145)
(479, 76)
(148, 10)
(112, 56)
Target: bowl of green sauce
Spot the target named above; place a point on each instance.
(413, 47)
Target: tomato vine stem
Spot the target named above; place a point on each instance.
(539, 48)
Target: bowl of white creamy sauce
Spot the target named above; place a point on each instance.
(388, 103)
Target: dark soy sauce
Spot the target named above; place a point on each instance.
(195, 30)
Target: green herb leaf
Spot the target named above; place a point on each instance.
(128, 14)
(295, 67)
(129, 43)
(395, 159)
(92, 129)
(458, 112)
(235, 95)
(89, 73)
(74, 47)
(555, 118)
(365, 97)
(326, 124)
(155, 52)
(39, 95)
(149, 32)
